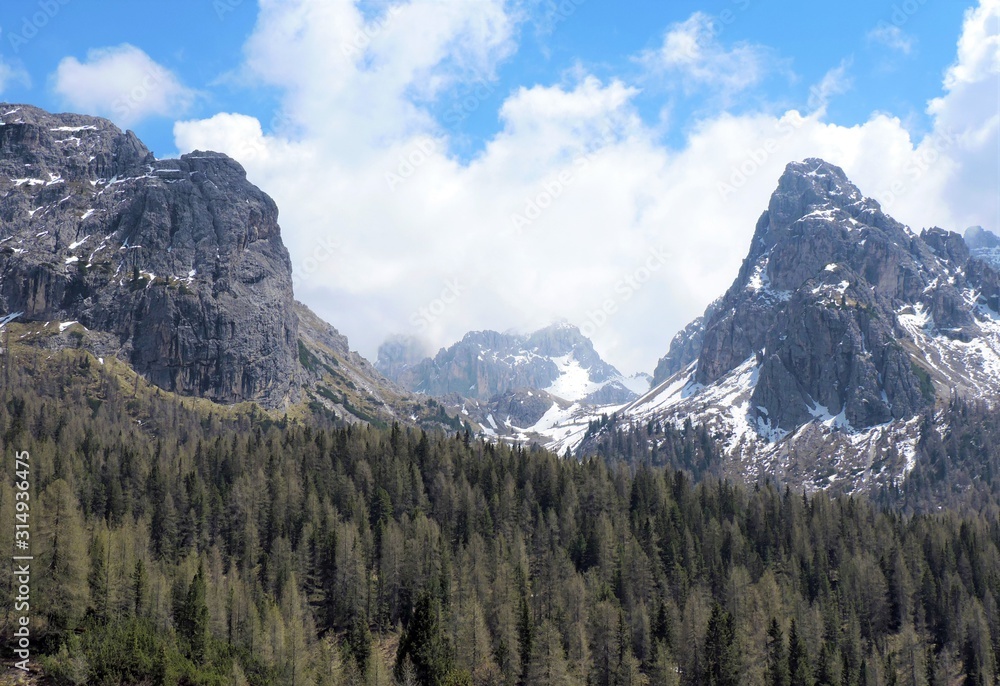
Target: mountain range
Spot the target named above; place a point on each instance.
(841, 331)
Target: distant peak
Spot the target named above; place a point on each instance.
(976, 237)
(560, 325)
(814, 167)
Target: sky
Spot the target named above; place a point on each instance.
(442, 166)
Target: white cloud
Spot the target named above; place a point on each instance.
(892, 37)
(692, 53)
(122, 83)
(967, 119)
(573, 206)
(835, 82)
(10, 73)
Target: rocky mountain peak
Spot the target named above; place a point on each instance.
(486, 364)
(839, 311)
(977, 237)
(176, 265)
(984, 245)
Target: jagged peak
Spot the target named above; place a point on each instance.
(978, 237)
(810, 185)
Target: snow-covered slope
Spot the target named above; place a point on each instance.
(485, 364)
(841, 332)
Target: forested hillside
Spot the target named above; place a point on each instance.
(956, 460)
(178, 542)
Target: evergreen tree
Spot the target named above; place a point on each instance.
(722, 665)
(799, 671)
(777, 658)
(424, 645)
(548, 665)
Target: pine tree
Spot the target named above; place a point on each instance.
(192, 617)
(62, 587)
(139, 583)
(799, 671)
(722, 666)
(777, 658)
(548, 665)
(424, 645)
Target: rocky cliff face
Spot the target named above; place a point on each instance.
(841, 333)
(180, 260)
(824, 305)
(984, 245)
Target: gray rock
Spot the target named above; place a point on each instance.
(817, 301)
(984, 245)
(486, 364)
(181, 260)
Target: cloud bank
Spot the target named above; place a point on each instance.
(576, 208)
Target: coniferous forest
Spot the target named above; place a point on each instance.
(177, 542)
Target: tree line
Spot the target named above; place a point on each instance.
(180, 544)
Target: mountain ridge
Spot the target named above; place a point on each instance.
(842, 329)
(483, 365)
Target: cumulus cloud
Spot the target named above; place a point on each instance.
(693, 56)
(967, 120)
(10, 73)
(892, 37)
(575, 209)
(122, 83)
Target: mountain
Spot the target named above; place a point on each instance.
(179, 261)
(840, 331)
(174, 266)
(558, 360)
(983, 244)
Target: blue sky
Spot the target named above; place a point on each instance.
(202, 42)
(534, 157)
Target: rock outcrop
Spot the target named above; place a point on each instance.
(821, 307)
(180, 260)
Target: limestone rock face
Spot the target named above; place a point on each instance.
(181, 260)
(831, 306)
